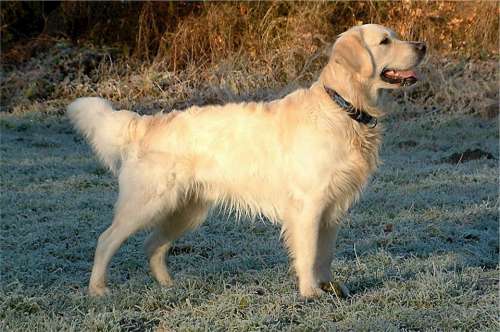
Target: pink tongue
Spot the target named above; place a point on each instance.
(403, 73)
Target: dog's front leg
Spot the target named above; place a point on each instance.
(328, 231)
(326, 250)
(301, 230)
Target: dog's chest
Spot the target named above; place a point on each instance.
(351, 174)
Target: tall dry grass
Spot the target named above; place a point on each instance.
(170, 55)
(260, 31)
(183, 32)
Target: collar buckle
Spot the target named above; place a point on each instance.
(372, 123)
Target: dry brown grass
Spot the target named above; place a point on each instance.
(283, 36)
(203, 32)
(218, 52)
(219, 30)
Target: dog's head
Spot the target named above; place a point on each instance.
(375, 57)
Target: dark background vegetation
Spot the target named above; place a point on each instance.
(147, 29)
(161, 55)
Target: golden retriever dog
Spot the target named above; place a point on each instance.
(301, 161)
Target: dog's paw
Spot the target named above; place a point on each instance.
(309, 293)
(98, 291)
(162, 277)
(337, 288)
(165, 282)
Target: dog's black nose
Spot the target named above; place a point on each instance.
(421, 47)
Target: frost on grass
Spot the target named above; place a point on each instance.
(419, 252)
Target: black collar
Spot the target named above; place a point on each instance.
(356, 114)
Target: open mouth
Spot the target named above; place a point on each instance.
(401, 77)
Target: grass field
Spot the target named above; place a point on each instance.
(419, 251)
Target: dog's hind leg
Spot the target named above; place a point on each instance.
(140, 204)
(129, 218)
(172, 227)
(123, 226)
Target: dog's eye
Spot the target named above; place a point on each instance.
(385, 41)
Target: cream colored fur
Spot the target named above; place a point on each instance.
(300, 161)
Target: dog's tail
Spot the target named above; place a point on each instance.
(108, 131)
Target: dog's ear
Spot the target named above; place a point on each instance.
(350, 52)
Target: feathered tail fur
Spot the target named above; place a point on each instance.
(107, 130)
